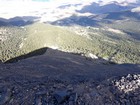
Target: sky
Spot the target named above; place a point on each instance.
(70, 0)
(90, 0)
(86, 0)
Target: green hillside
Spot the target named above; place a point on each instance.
(114, 47)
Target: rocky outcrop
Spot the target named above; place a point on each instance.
(16, 90)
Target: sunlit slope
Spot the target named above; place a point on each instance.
(20, 41)
(42, 35)
(27, 39)
(23, 40)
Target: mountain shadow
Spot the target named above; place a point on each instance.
(122, 15)
(31, 54)
(97, 9)
(4, 22)
(134, 35)
(18, 21)
(77, 20)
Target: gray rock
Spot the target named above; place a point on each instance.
(61, 96)
(5, 94)
(73, 97)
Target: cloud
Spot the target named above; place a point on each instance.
(48, 11)
(12, 8)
